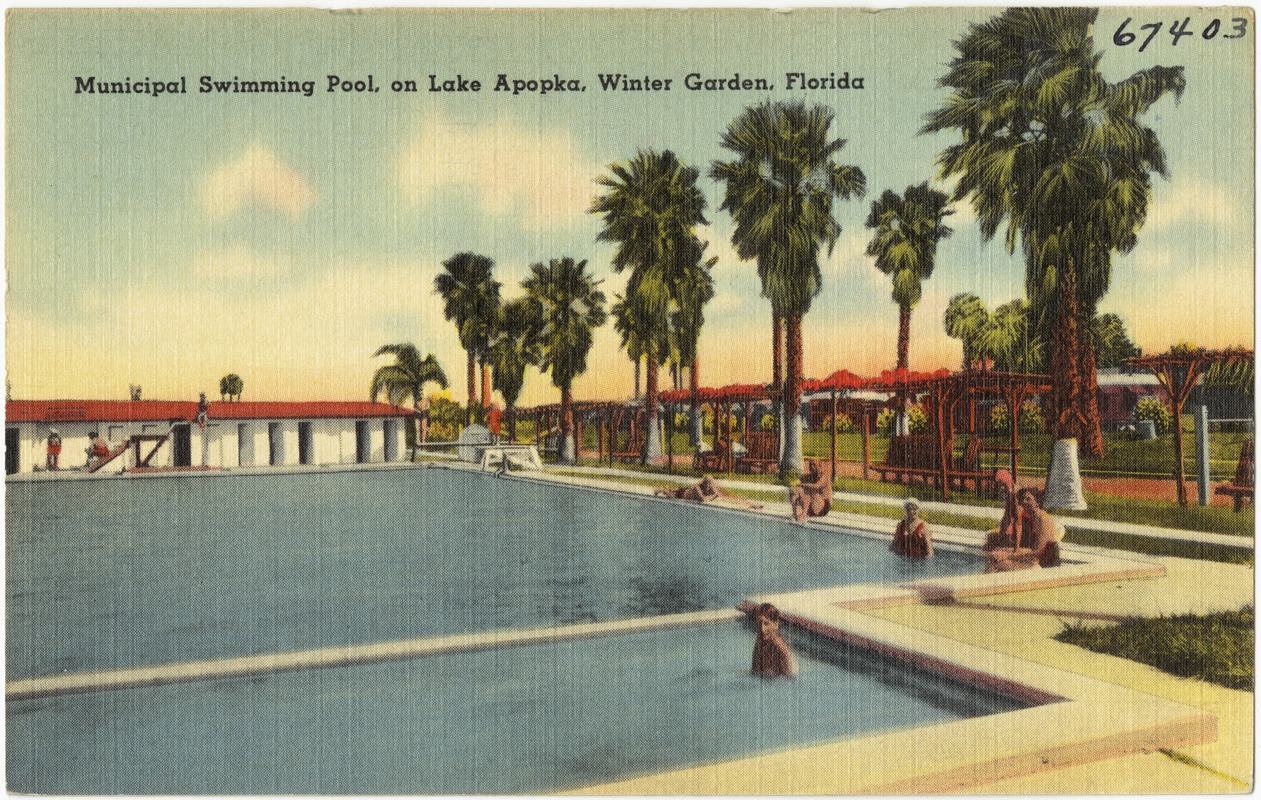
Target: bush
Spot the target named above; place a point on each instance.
(446, 417)
(918, 421)
(843, 424)
(1031, 418)
(1154, 409)
(768, 422)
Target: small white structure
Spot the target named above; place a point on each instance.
(252, 434)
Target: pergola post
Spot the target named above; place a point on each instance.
(833, 434)
(866, 441)
(669, 439)
(604, 420)
(730, 454)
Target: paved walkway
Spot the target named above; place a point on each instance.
(1071, 523)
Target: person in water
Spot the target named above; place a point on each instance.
(703, 491)
(912, 537)
(771, 656)
(812, 497)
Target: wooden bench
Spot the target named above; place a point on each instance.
(634, 450)
(762, 452)
(966, 470)
(1245, 477)
(912, 459)
(715, 460)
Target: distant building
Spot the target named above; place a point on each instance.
(249, 434)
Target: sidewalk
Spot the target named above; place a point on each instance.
(1071, 523)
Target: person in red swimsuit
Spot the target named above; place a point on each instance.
(54, 450)
(912, 537)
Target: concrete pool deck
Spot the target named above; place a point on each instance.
(1176, 735)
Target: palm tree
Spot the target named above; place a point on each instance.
(1056, 152)
(1111, 341)
(406, 377)
(651, 209)
(514, 348)
(570, 307)
(1010, 340)
(779, 190)
(695, 289)
(631, 331)
(907, 230)
(471, 300)
(231, 385)
(965, 319)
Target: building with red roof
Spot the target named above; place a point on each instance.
(154, 434)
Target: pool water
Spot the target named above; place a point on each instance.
(524, 719)
(122, 573)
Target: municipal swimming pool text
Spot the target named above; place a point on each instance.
(502, 84)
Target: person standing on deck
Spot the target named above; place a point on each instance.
(52, 461)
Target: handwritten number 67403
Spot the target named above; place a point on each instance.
(1177, 30)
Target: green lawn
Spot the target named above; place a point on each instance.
(1217, 647)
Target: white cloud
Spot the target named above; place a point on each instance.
(1191, 201)
(540, 174)
(259, 177)
(237, 263)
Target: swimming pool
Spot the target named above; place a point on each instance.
(509, 720)
(107, 574)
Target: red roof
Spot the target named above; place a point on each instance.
(166, 410)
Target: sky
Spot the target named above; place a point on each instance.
(168, 240)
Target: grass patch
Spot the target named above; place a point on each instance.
(1161, 547)
(1157, 513)
(1217, 648)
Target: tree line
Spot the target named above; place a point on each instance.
(1047, 150)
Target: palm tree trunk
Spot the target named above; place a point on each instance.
(777, 374)
(512, 421)
(791, 457)
(904, 336)
(694, 374)
(1063, 479)
(637, 361)
(566, 453)
(1088, 374)
(652, 435)
(485, 385)
(472, 384)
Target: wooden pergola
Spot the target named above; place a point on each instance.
(723, 401)
(1178, 371)
(547, 417)
(945, 390)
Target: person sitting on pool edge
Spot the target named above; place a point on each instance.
(97, 450)
(812, 497)
(771, 656)
(1043, 533)
(1009, 529)
(912, 537)
(702, 491)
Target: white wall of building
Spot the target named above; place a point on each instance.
(333, 441)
